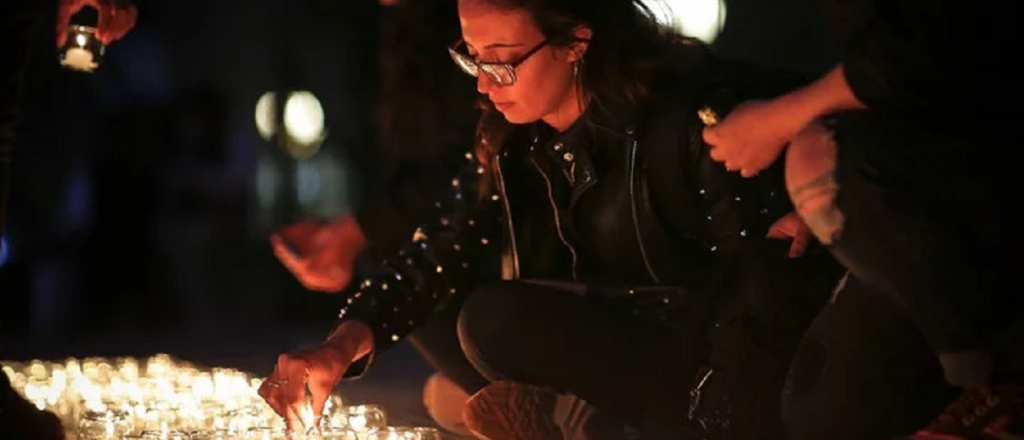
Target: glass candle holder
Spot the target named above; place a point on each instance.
(393, 433)
(267, 433)
(82, 51)
(427, 434)
(164, 435)
(334, 433)
(243, 419)
(103, 425)
(216, 434)
(363, 418)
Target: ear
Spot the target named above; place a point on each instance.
(582, 35)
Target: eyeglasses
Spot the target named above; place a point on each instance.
(503, 74)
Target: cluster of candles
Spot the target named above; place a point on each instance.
(162, 398)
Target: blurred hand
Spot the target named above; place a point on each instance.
(752, 137)
(792, 227)
(116, 18)
(321, 255)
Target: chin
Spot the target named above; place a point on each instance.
(519, 118)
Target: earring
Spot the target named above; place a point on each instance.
(576, 69)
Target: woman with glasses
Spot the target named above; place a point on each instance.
(607, 275)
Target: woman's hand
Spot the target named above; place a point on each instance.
(752, 137)
(116, 18)
(321, 255)
(319, 369)
(792, 227)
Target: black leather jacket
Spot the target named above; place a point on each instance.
(670, 226)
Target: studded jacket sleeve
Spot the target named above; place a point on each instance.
(449, 254)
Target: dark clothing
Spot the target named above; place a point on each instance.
(932, 63)
(438, 341)
(671, 238)
(951, 269)
(424, 120)
(19, 21)
(673, 208)
(924, 185)
(544, 335)
(931, 270)
(862, 373)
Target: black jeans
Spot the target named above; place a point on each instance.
(863, 372)
(929, 242)
(546, 335)
(634, 368)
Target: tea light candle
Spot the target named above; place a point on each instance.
(79, 59)
(82, 51)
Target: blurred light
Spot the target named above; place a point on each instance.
(5, 251)
(266, 115)
(268, 178)
(701, 19)
(303, 129)
(304, 118)
(308, 182)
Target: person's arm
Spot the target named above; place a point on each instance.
(829, 94)
(445, 259)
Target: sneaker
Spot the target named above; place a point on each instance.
(445, 402)
(990, 413)
(513, 411)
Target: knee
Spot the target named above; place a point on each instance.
(810, 181)
(487, 318)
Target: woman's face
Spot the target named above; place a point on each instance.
(544, 81)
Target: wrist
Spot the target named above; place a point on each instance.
(829, 94)
(350, 341)
(353, 232)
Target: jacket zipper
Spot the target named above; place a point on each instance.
(508, 219)
(558, 221)
(636, 213)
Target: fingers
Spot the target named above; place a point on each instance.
(105, 16)
(800, 241)
(122, 20)
(291, 392)
(65, 9)
(288, 255)
(717, 154)
(114, 19)
(269, 392)
(778, 232)
(711, 136)
(321, 272)
(320, 388)
(792, 226)
(293, 422)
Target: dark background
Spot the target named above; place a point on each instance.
(143, 194)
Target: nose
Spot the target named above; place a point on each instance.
(484, 83)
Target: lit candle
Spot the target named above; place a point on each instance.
(79, 59)
(82, 52)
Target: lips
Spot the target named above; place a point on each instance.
(501, 106)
